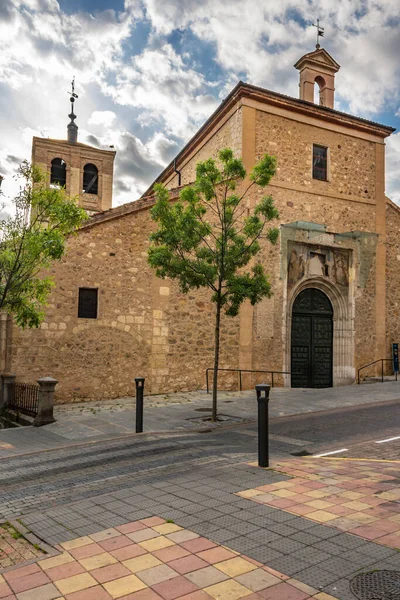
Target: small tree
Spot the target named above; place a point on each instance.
(29, 242)
(207, 237)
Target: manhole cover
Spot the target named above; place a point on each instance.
(376, 585)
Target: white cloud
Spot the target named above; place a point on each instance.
(102, 117)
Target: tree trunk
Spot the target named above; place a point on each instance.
(216, 361)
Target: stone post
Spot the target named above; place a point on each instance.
(7, 380)
(47, 385)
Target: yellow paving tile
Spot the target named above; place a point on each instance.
(156, 543)
(227, 590)
(350, 495)
(77, 543)
(355, 505)
(124, 586)
(317, 494)
(235, 566)
(362, 517)
(249, 493)
(105, 535)
(321, 516)
(396, 518)
(56, 561)
(140, 563)
(2, 580)
(100, 560)
(167, 528)
(75, 583)
(323, 596)
(319, 504)
(283, 493)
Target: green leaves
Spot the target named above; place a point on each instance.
(206, 238)
(30, 241)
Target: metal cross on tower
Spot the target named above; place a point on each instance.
(320, 33)
(72, 94)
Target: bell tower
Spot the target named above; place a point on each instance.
(85, 171)
(319, 68)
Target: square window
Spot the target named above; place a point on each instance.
(320, 162)
(87, 304)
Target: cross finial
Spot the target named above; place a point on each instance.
(72, 127)
(72, 94)
(320, 33)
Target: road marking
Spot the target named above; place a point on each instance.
(329, 453)
(388, 440)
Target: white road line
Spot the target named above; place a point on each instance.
(388, 440)
(329, 453)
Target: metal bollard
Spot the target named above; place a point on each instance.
(263, 441)
(139, 403)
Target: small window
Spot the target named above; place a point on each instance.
(90, 179)
(58, 175)
(320, 160)
(87, 306)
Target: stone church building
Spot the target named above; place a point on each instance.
(335, 271)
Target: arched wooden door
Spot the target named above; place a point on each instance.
(312, 340)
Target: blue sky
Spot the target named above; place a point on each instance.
(150, 72)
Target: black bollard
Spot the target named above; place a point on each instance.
(263, 441)
(139, 403)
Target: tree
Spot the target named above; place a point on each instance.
(30, 241)
(206, 238)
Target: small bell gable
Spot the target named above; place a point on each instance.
(317, 67)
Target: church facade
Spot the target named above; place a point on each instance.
(334, 272)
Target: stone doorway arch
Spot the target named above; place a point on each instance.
(343, 370)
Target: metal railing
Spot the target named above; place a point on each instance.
(381, 360)
(24, 398)
(240, 371)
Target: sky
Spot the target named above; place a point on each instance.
(150, 72)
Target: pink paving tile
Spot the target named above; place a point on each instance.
(171, 553)
(215, 555)
(283, 591)
(94, 593)
(147, 594)
(114, 543)
(392, 540)
(200, 595)
(152, 521)
(5, 590)
(314, 485)
(282, 503)
(131, 527)
(387, 526)
(21, 572)
(301, 509)
(29, 582)
(9, 597)
(300, 498)
(340, 510)
(87, 551)
(367, 532)
(175, 588)
(110, 572)
(128, 552)
(187, 564)
(64, 571)
(198, 544)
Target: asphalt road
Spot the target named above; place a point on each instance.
(55, 477)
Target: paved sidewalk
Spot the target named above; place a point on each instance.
(150, 559)
(14, 549)
(96, 421)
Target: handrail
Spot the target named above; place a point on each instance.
(381, 360)
(240, 371)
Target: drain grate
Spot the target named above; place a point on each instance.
(376, 585)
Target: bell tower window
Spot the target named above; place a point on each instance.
(58, 173)
(320, 163)
(90, 179)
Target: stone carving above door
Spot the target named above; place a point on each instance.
(306, 260)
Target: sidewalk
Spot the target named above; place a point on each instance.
(96, 421)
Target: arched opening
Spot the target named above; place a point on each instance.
(312, 340)
(318, 91)
(90, 179)
(58, 173)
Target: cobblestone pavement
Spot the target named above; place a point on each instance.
(360, 497)
(95, 421)
(14, 549)
(150, 559)
(194, 481)
(372, 450)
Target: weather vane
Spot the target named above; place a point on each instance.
(320, 33)
(73, 96)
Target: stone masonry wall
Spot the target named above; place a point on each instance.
(393, 279)
(145, 327)
(229, 135)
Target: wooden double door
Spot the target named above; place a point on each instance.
(312, 340)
